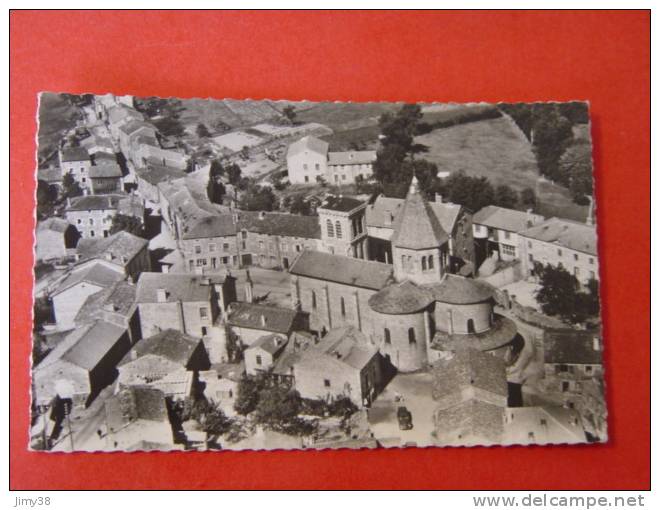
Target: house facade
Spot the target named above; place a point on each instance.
(76, 162)
(343, 227)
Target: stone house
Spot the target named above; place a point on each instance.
(56, 238)
(76, 161)
(250, 321)
(128, 131)
(149, 176)
(209, 244)
(119, 115)
(127, 251)
(571, 356)
(148, 154)
(82, 365)
(343, 227)
(342, 364)
(92, 214)
(106, 177)
(263, 353)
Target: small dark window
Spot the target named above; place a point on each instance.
(258, 359)
(388, 337)
(343, 307)
(411, 336)
(326, 383)
(470, 326)
(314, 300)
(430, 261)
(423, 263)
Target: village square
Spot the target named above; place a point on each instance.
(228, 274)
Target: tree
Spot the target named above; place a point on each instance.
(169, 126)
(126, 223)
(560, 295)
(234, 174)
(71, 186)
(248, 395)
(290, 113)
(216, 169)
(215, 190)
(46, 198)
(258, 198)
(202, 131)
(552, 134)
(505, 197)
(471, 192)
(278, 409)
(528, 198)
(299, 205)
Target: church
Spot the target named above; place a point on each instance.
(414, 309)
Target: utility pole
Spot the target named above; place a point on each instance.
(67, 412)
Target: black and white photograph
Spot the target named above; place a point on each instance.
(219, 274)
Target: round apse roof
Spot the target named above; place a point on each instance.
(459, 290)
(401, 298)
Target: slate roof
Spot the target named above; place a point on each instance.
(131, 205)
(252, 316)
(280, 224)
(74, 154)
(401, 298)
(572, 347)
(565, 233)
(155, 174)
(210, 226)
(475, 421)
(417, 227)
(94, 345)
(135, 403)
(269, 343)
(340, 203)
(118, 298)
(308, 143)
(119, 248)
(469, 368)
(96, 274)
(298, 343)
(351, 157)
(134, 125)
(94, 202)
(170, 344)
(54, 224)
(505, 219)
(347, 345)
(105, 170)
(341, 269)
(460, 290)
(183, 287)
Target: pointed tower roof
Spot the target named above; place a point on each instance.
(416, 226)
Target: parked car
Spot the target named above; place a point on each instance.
(405, 418)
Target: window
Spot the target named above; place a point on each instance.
(297, 247)
(258, 359)
(214, 262)
(243, 245)
(591, 260)
(203, 313)
(423, 263)
(271, 246)
(314, 300)
(326, 383)
(477, 228)
(529, 244)
(576, 271)
(544, 422)
(317, 166)
(84, 180)
(306, 178)
(342, 304)
(588, 369)
(304, 166)
(225, 246)
(261, 246)
(91, 221)
(212, 246)
(507, 235)
(470, 326)
(201, 262)
(91, 233)
(336, 178)
(559, 252)
(204, 331)
(411, 336)
(198, 249)
(244, 234)
(79, 221)
(575, 256)
(225, 260)
(330, 228)
(507, 249)
(430, 261)
(343, 177)
(388, 336)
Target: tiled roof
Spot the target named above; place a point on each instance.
(118, 298)
(119, 248)
(351, 157)
(135, 125)
(460, 290)
(280, 224)
(105, 170)
(262, 317)
(74, 154)
(308, 143)
(154, 174)
(417, 226)
(96, 274)
(178, 287)
(170, 344)
(572, 347)
(131, 205)
(471, 422)
(341, 269)
(543, 425)
(505, 219)
(469, 368)
(50, 175)
(401, 298)
(340, 203)
(269, 343)
(135, 403)
(210, 226)
(94, 345)
(298, 343)
(565, 233)
(94, 202)
(55, 224)
(347, 345)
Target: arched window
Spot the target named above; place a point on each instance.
(388, 337)
(423, 263)
(430, 261)
(343, 307)
(338, 229)
(314, 300)
(470, 326)
(411, 336)
(331, 230)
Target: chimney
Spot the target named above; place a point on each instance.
(161, 295)
(263, 321)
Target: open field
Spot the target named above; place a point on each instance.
(56, 117)
(495, 149)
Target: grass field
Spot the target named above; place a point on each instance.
(56, 117)
(495, 149)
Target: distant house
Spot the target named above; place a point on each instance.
(78, 285)
(96, 144)
(561, 243)
(149, 176)
(343, 226)
(251, 321)
(119, 115)
(308, 159)
(51, 176)
(209, 242)
(169, 360)
(342, 364)
(496, 230)
(221, 386)
(542, 425)
(137, 419)
(55, 239)
(130, 130)
(76, 161)
(470, 389)
(569, 357)
(188, 303)
(82, 365)
(127, 251)
(262, 354)
(92, 214)
(147, 154)
(106, 177)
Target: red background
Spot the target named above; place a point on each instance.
(602, 57)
